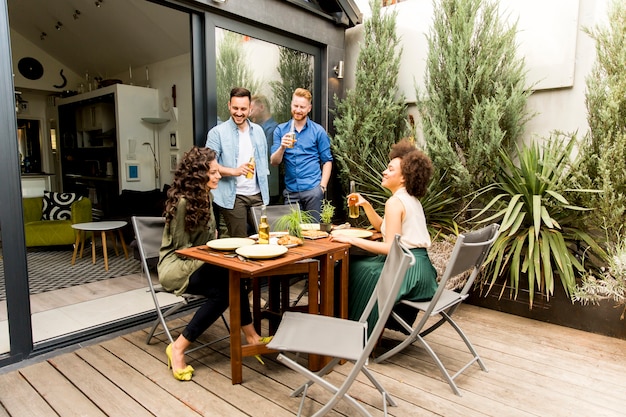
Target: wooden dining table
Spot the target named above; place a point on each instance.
(328, 303)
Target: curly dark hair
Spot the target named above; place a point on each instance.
(190, 182)
(417, 168)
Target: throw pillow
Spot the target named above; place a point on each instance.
(58, 206)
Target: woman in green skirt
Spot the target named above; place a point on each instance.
(407, 177)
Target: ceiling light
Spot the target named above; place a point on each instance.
(58, 26)
(98, 3)
(76, 14)
(43, 36)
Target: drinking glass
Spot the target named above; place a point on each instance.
(353, 209)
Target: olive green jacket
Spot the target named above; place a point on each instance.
(174, 271)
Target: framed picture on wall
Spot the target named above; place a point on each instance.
(173, 161)
(173, 140)
(132, 172)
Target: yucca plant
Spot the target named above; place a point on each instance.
(539, 233)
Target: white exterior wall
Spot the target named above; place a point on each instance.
(551, 40)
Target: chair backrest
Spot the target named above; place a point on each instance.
(273, 213)
(469, 252)
(149, 234)
(386, 291)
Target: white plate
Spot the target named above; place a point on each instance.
(310, 226)
(261, 251)
(272, 234)
(352, 233)
(230, 243)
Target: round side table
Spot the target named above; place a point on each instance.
(104, 228)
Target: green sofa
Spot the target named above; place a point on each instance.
(52, 232)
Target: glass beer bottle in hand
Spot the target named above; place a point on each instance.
(353, 209)
(264, 228)
(251, 165)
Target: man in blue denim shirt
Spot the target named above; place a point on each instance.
(308, 163)
(243, 185)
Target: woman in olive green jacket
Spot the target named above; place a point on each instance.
(189, 221)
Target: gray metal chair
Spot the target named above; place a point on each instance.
(341, 338)
(469, 252)
(148, 234)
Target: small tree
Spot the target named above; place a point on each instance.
(296, 71)
(372, 116)
(232, 71)
(475, 98)
(604, 155)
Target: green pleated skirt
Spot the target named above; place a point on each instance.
(420, 283)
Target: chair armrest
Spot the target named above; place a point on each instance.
(81, 211)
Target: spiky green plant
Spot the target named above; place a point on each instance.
(539, 232)
(296, 71)
(372, 116)
(474, 98)
(232, 70)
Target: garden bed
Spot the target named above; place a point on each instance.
(601, 319)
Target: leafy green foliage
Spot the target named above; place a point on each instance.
(475, 98)
(292, 221)
(232, 71)
(328, 211)
(610, 284)
(296, 71)
(372, 116)
(603, 163)
(539, 233)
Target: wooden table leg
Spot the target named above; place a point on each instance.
(235, 327)
(103, 235)
(83, 237)
(114, 240)
(76, 247)
(93, 248)
(119, 231)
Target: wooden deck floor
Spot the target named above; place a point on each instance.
(535, 369)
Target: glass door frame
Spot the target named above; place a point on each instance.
(204, 58)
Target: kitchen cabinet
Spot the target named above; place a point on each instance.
(96, 130)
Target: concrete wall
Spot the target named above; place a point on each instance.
(558, 54)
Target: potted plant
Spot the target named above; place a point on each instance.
(292, 221)
(326, 215)
(539, 233)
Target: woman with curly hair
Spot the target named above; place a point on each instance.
(407, 177)
(189, 221)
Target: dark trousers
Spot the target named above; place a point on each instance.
(211, 282)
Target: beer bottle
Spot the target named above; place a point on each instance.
(264, 228)
(251, 164)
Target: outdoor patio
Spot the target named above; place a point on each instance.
(535, 369)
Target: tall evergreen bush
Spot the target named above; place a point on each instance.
(604, 151)
(296, 71)
(372, 115)
(474, 100)
(232, 71)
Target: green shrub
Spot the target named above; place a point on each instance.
(539, 233)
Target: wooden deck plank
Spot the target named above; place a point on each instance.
(106, 395)
(151, 363)
(18, 397)
(135, 384)
(535, 370)
(57, 391)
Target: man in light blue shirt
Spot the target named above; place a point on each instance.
(308, 164)
(243, 184)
